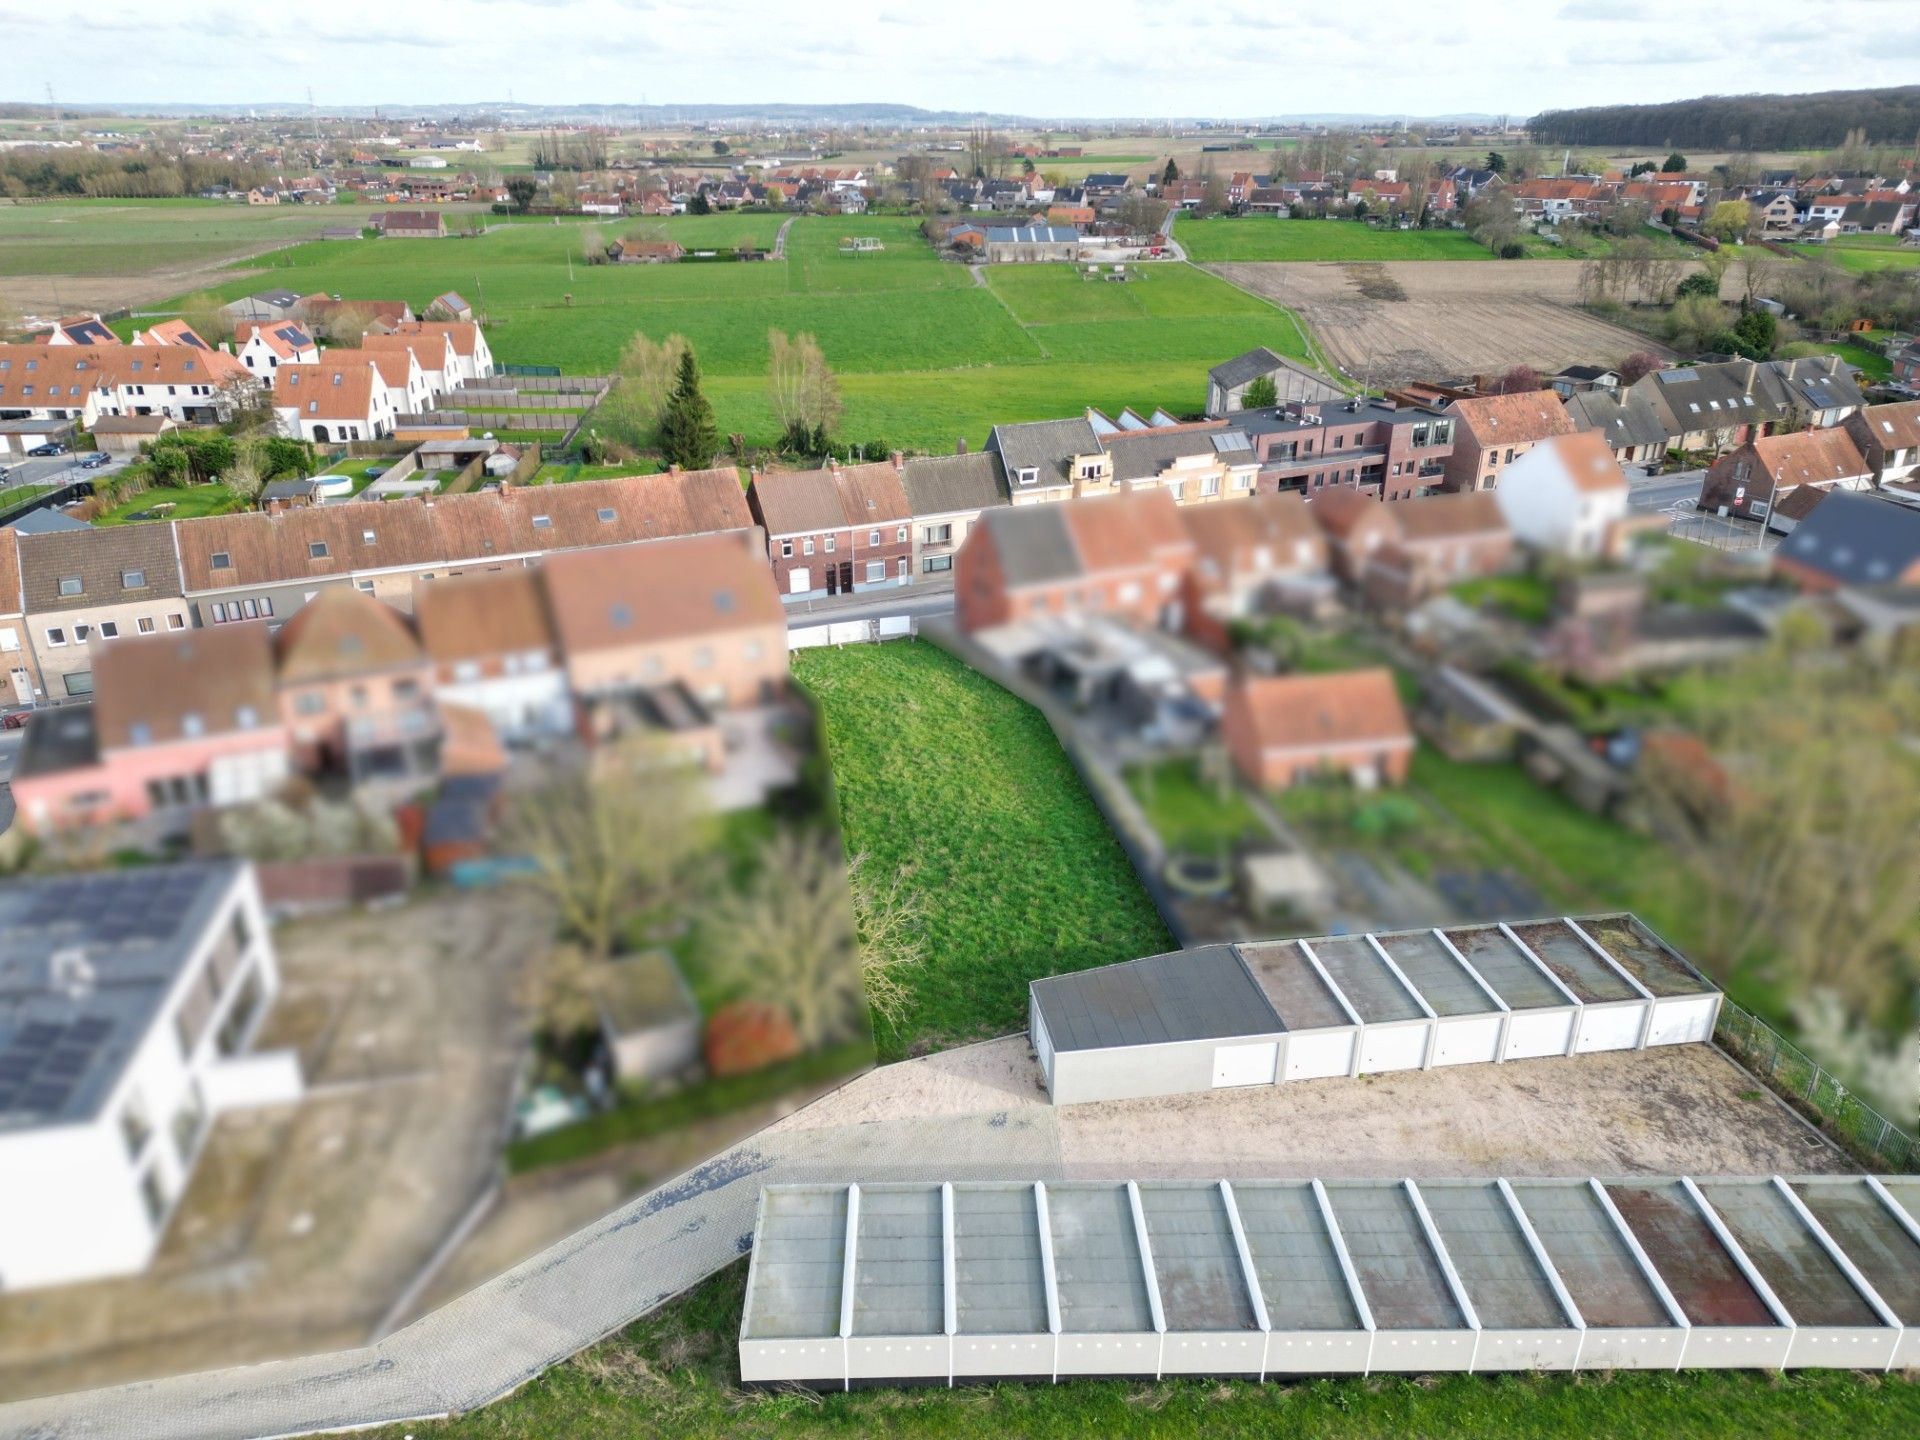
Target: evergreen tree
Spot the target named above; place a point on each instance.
(1170, 174)
(688, 435)
(1673, 164)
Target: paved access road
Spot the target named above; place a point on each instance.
(594, 1282)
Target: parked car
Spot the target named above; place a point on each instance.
(15, 719)
(95, 460)
(52, 447)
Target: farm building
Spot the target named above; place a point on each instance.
(1264, 1013)
(1028, 244)
(1048, 1281)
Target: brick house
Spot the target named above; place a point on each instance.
(1242, 553)
(838, 530)
(491, 642)
(1888, 439)
(1388, 449)
(1284, 730)
(1398, 555)
(356, 689)
(1849, 540)
(1755, 479)
(947, 494)
(700, 615)
(1120, 555)
(1493, 430)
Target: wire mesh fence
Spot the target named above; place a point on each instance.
(1788, 1069)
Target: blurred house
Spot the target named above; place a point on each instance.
(356, 690)
(1494, 430)
(649, 1019)
(1567, 496)
(1853, 541)
(491, 642)
(1285, 729)
(83, 587)
(1397, 555)
(128, 1001)
(1119, 555)
(181, 720)
(1888, 438)
(1266, 553)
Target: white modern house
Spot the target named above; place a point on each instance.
(1566, 495)
(128, 1001)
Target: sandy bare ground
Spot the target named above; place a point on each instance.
(1683, 1109)
(66, 294)
(1427, 318)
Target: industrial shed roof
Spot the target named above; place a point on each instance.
(1206, 993)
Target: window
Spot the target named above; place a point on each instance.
(934, 564)
(876, 571)
(71, 585)
(786, 549)
(1029, 476)
(56, 637)
(606, 515)
(367, 537)
(938, 534)
(829, 544)
(176, 622)
(246, 717)
(109, 630)
(192, 726)
(145, 624)
(310, 702)
(135, 1128)
(873, 537)
(218, 612)
(220, 560)
(79, 683)
(250, 609)
(900, 535)
(806, 546)
(365, 587)
(153, 1196)
(317, 550)
(1210, 485)
(543, 522)
(406, 689)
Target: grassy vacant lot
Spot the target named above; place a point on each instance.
(942, 772)
(675, 1374)
(121, 237)
(1267, 237)
(924, 353)
(1190, 811)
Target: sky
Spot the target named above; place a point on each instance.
(1120, 58)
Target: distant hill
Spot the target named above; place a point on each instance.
(1890, 116)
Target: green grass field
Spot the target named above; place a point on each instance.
(940, 769)
(1265, 237)
(1863, 253)
(131, 237)
(675, 1376)
(924, 354)
(189, 502)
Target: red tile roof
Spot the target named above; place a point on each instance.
(1351, 708)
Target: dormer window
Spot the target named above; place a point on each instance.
(366, 537)
(543, 522)
(1029, 476)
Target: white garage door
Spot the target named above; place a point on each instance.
(1244, 1064)
(798, 581)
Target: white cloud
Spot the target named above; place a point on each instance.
(1140, 57)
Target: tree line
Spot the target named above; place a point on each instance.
(1740, 122)
(34, 173)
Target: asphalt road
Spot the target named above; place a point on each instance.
(53, 470)
(1663, 492)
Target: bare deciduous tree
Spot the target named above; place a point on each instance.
(630, 411)
(612, 839)
(801, 389)
(888, 918)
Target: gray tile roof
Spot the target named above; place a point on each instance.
(1034, 544)
(1044, 445)
(1242, 368)
(944, 484)
(103, 561)
(1142, 454)
(1630, 418)
(1856, 539)
(1201, 994)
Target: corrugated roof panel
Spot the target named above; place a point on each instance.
(1096, 1260)
(1202, 1285)
(1590, 1255)
(1399, 1274)
(899, 1267)
(999, 1285)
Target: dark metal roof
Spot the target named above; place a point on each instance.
(1242, 368)
(1048, 446)
(1202, 994)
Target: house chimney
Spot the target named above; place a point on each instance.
(673, 469)
(274, 507)
(960, 447)
(899, 460)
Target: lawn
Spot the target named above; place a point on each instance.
(1265, 237)
(1863, 253)
(1871, 360)
(674, 1376)
(132, 237)
(189, 503)
(1188, 810)
(941, 772)
(553, 473)
(924, 354)
(1526, 598)
(15, 497)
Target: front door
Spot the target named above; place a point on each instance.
(833, 579)
(846, 577)
(22, 688)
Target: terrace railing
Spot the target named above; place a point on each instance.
(1812, 1089)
